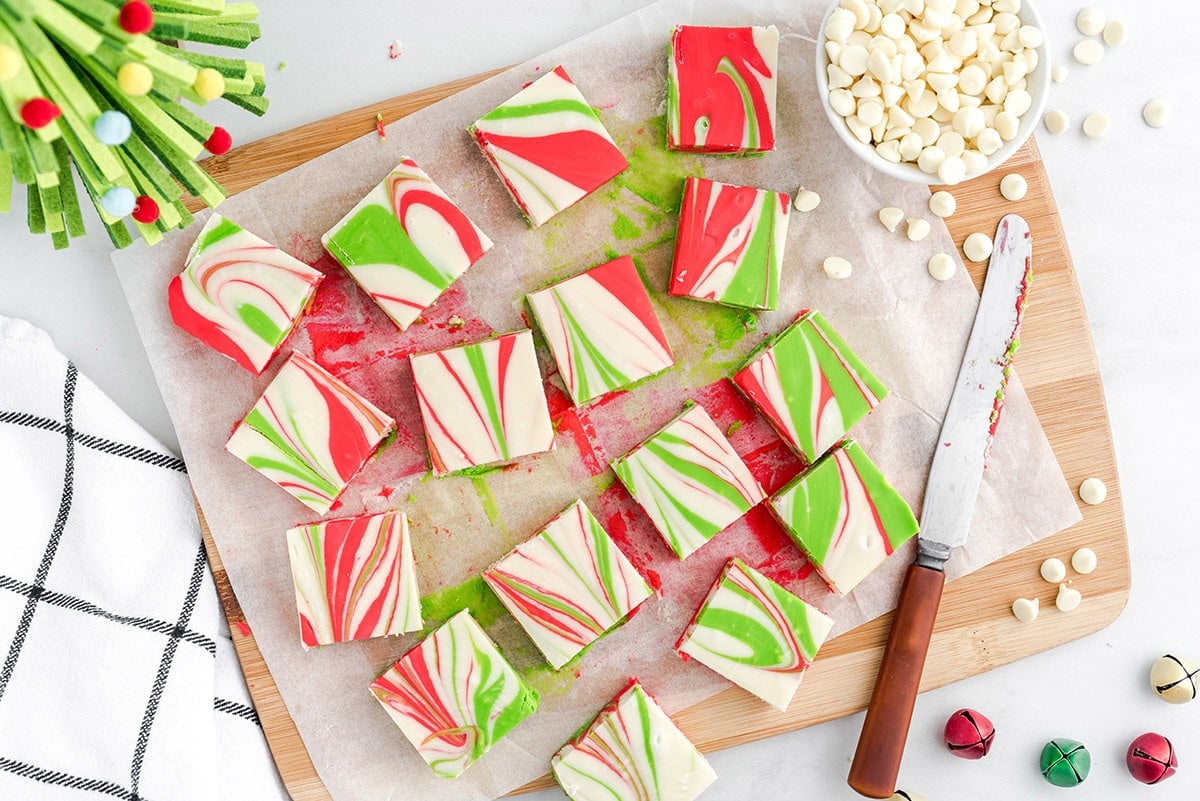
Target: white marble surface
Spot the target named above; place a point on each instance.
(1131, 210)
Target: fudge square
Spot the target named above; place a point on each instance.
(239, 294)
(729, 246)
(309, 433)
(454, 695)
(755, 633)
(355, 578)
(482, 403)
(689, 480)
(405, 243)
(809, 384)
(721, 89)
(567, 585)
(844, 515)
(548, 146)
(602, 330)
(631, 752)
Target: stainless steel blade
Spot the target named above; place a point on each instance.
(974, 409)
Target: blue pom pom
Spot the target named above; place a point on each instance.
(118, 201)
(112, 128)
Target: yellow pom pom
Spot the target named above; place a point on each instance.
(135, 78)
(209, 84)
(10, 62)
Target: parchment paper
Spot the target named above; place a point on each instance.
(909, 328)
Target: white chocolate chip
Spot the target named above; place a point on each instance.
(1158, 113)
(1060, 73)
(941, 266)
(1025, 609)
(974, 161)
(1029, 36)
(978, 247)
(806, 200)
(918, 229)
(1013, 186)
(1090, 21)
(942, 203)
(1067, 599)
(930, 159)
(1084, 561)
(836, 267)
(1088, 52)
(1115, 33)
(891, 217)
(1096, 125)
(853, 59)
(988, 141)
(1057, 121)
(952, 169)
(1092, 491)
(1053, 570)
(1006, 125)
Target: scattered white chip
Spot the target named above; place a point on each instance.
(942, 203)
(942, 266)
(1088, 52)
(978, 247)
(1057, 121)
(1158, 112)
(1060, 73)
(891, 217)
(1090, 21)
(1013, 186)
(918, 229)
(1093, 491)
(1096, 125)
(1084, 561)
(837, 267)
(1025, 609)
(1067, 599)
(1053, 570)
(1115, 33)
(806, 200)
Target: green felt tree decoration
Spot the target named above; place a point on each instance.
(101, 85)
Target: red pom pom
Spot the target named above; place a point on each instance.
(39, 112)
(146, 210)
(219, 142)
(136, 17)
(969, 734)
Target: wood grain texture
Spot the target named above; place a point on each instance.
(975, 630)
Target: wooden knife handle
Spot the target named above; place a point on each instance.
(885, 730)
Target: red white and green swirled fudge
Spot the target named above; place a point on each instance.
(602, 330)
(454, 695)
(482, 403)
(568, 585)
(721, 89)
(631, 752)
(809, 385)
(355, 578)
(548, 146)
(689, 480)
(309, 433)
(755, 633)
(239, 294)
(406, 242)
(844, 515)
(729, 247)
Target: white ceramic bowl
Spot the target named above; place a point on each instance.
(1038, 86)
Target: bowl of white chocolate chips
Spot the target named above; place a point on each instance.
(933, 91)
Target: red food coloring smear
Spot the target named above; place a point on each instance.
(145, 210)
(136, 16)
(39, 112)
(243, 628)
(574, 423)
(386, 492)
(219, 141)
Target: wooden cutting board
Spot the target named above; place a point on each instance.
(975, 629)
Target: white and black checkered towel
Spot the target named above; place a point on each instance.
(117, 675)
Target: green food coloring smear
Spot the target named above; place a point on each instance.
(547, 681)
(473, 594)
(625, 228)
(488, 500)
